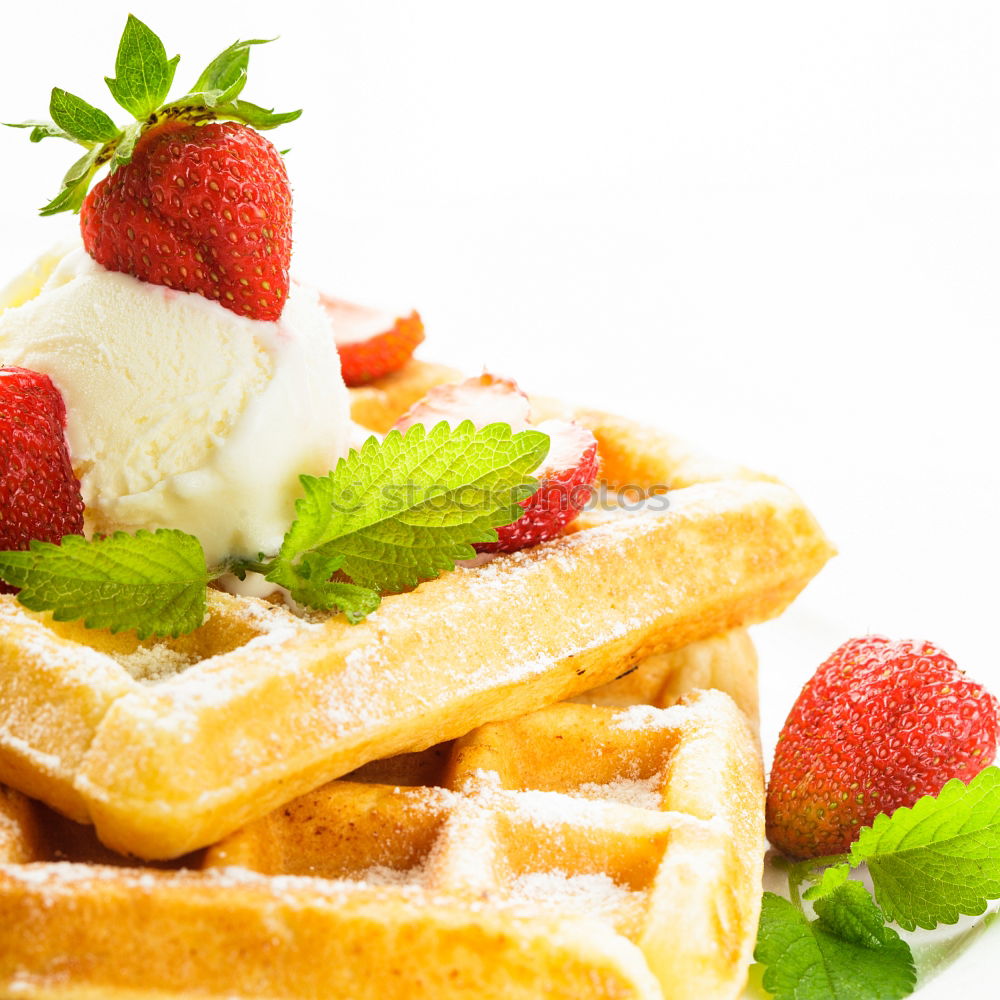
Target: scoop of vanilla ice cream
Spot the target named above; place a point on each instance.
(181, 414)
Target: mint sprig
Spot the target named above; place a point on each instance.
(402, 510)
(811, 960)
(394, 513)
(929, 864)
(152, 582)
(141, 84)
(939, 860)
(407, 508)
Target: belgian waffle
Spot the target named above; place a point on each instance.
(580, 851)
(259, 706)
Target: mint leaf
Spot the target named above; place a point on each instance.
(228, 68)
(832, 879)
(807, 960)
(939, 859)
(152, 582)
(407, 508)
(850, 913)
(143, 72)
(80, 120)
(309, 583)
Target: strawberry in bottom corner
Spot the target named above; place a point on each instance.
(880, 724)
(39, 493)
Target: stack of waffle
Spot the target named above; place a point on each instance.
(536, 777)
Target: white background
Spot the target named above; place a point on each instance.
(772, 227)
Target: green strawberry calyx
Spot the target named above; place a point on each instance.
(143, 78)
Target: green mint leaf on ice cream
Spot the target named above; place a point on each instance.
(394, 513)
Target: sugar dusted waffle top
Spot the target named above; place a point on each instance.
(578, 851)
(272, 706)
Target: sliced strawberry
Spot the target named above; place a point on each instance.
(39, 494)
(371, 343)
(566, 477)
(485, 399)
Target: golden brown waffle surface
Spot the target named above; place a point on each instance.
(581, 851)
(169, 747)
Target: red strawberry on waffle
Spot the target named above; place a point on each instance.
(196, 198)
(371, 343)
(200, 208)
(566, 477)
(39, 494)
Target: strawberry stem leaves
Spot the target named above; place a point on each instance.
(75, 184)
(262, 119)
(143, 72)
(227, 69)
(142, 81)
(80, 120)
(43, 130)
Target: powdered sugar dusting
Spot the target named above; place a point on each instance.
(278, 635)
(260, 615)
(382, 875)
(45, 763)
(76, 663)
(478, 862)
(645, 717)
(594, 895)
(160, 661)
(640, 793)
(553, 809)
(154, 663)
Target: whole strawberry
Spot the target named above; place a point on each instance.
(196, 199)
(201, 208)
(39, 494)
(879, 725)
